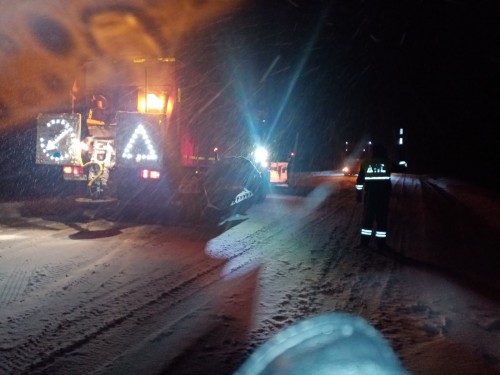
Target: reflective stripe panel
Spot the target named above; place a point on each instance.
(378, 178)
(359, 187)
(380, 234)
(366, 232)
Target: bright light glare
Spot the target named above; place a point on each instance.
(72, 170)
(146, 173)
(153, 103)
(261, 156)
(5, 237)
(170, 106)
(155, 175)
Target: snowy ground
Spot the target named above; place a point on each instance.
(81, 293)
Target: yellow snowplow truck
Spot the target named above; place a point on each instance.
(123, 137)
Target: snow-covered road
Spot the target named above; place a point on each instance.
(87, 294)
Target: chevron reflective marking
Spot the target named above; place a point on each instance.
(244, 195)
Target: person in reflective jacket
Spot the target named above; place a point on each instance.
(374, 179)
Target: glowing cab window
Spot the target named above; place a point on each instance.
(151, 103)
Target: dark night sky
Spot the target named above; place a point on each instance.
(358, 70)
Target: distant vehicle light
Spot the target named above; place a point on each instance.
(351, 167)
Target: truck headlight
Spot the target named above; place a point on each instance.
(261, 156)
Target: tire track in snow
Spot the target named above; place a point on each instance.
(62, 271)
(339, 275)
(60, 285)
(72, 328)
(70, 334)
(15, 285)
(72, 331)
(256, 240)
(331, 239)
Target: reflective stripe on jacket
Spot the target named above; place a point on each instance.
(374, 174)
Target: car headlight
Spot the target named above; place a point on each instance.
(261, 156)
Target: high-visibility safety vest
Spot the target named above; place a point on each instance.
(376, 173)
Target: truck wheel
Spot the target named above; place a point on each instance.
(191, 207)
(212, 217)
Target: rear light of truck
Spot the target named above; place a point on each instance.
(150, 174)
(73, 170)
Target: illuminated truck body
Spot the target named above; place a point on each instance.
(125, 139)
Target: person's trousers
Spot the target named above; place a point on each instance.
(375, 213)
